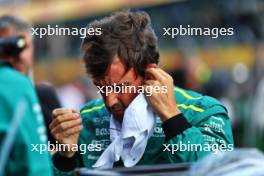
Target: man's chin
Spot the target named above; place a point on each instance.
(118, 116)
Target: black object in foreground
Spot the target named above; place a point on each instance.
(11, 45)
(148, 170)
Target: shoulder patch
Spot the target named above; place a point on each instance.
(187, 94)
(94, 108)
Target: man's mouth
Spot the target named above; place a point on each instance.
(117, 108)
(114, 111)
(118, 111)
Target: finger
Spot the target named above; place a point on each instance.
(61, 111)
(153, 72)
(148, 90)
(66, 125)
(151, 82)
(72, 131)
(163, 73)
(168, 78)
(64, 118)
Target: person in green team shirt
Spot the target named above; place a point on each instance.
(21, 122)
(126, 53)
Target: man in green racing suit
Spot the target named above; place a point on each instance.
(188, 125)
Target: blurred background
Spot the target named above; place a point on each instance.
(229, 68)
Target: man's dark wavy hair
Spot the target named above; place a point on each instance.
(128, 35)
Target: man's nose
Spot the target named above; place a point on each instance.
(111, 99)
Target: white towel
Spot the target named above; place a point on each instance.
(129, 140)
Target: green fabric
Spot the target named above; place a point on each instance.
(22, 160)
(209, 120)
